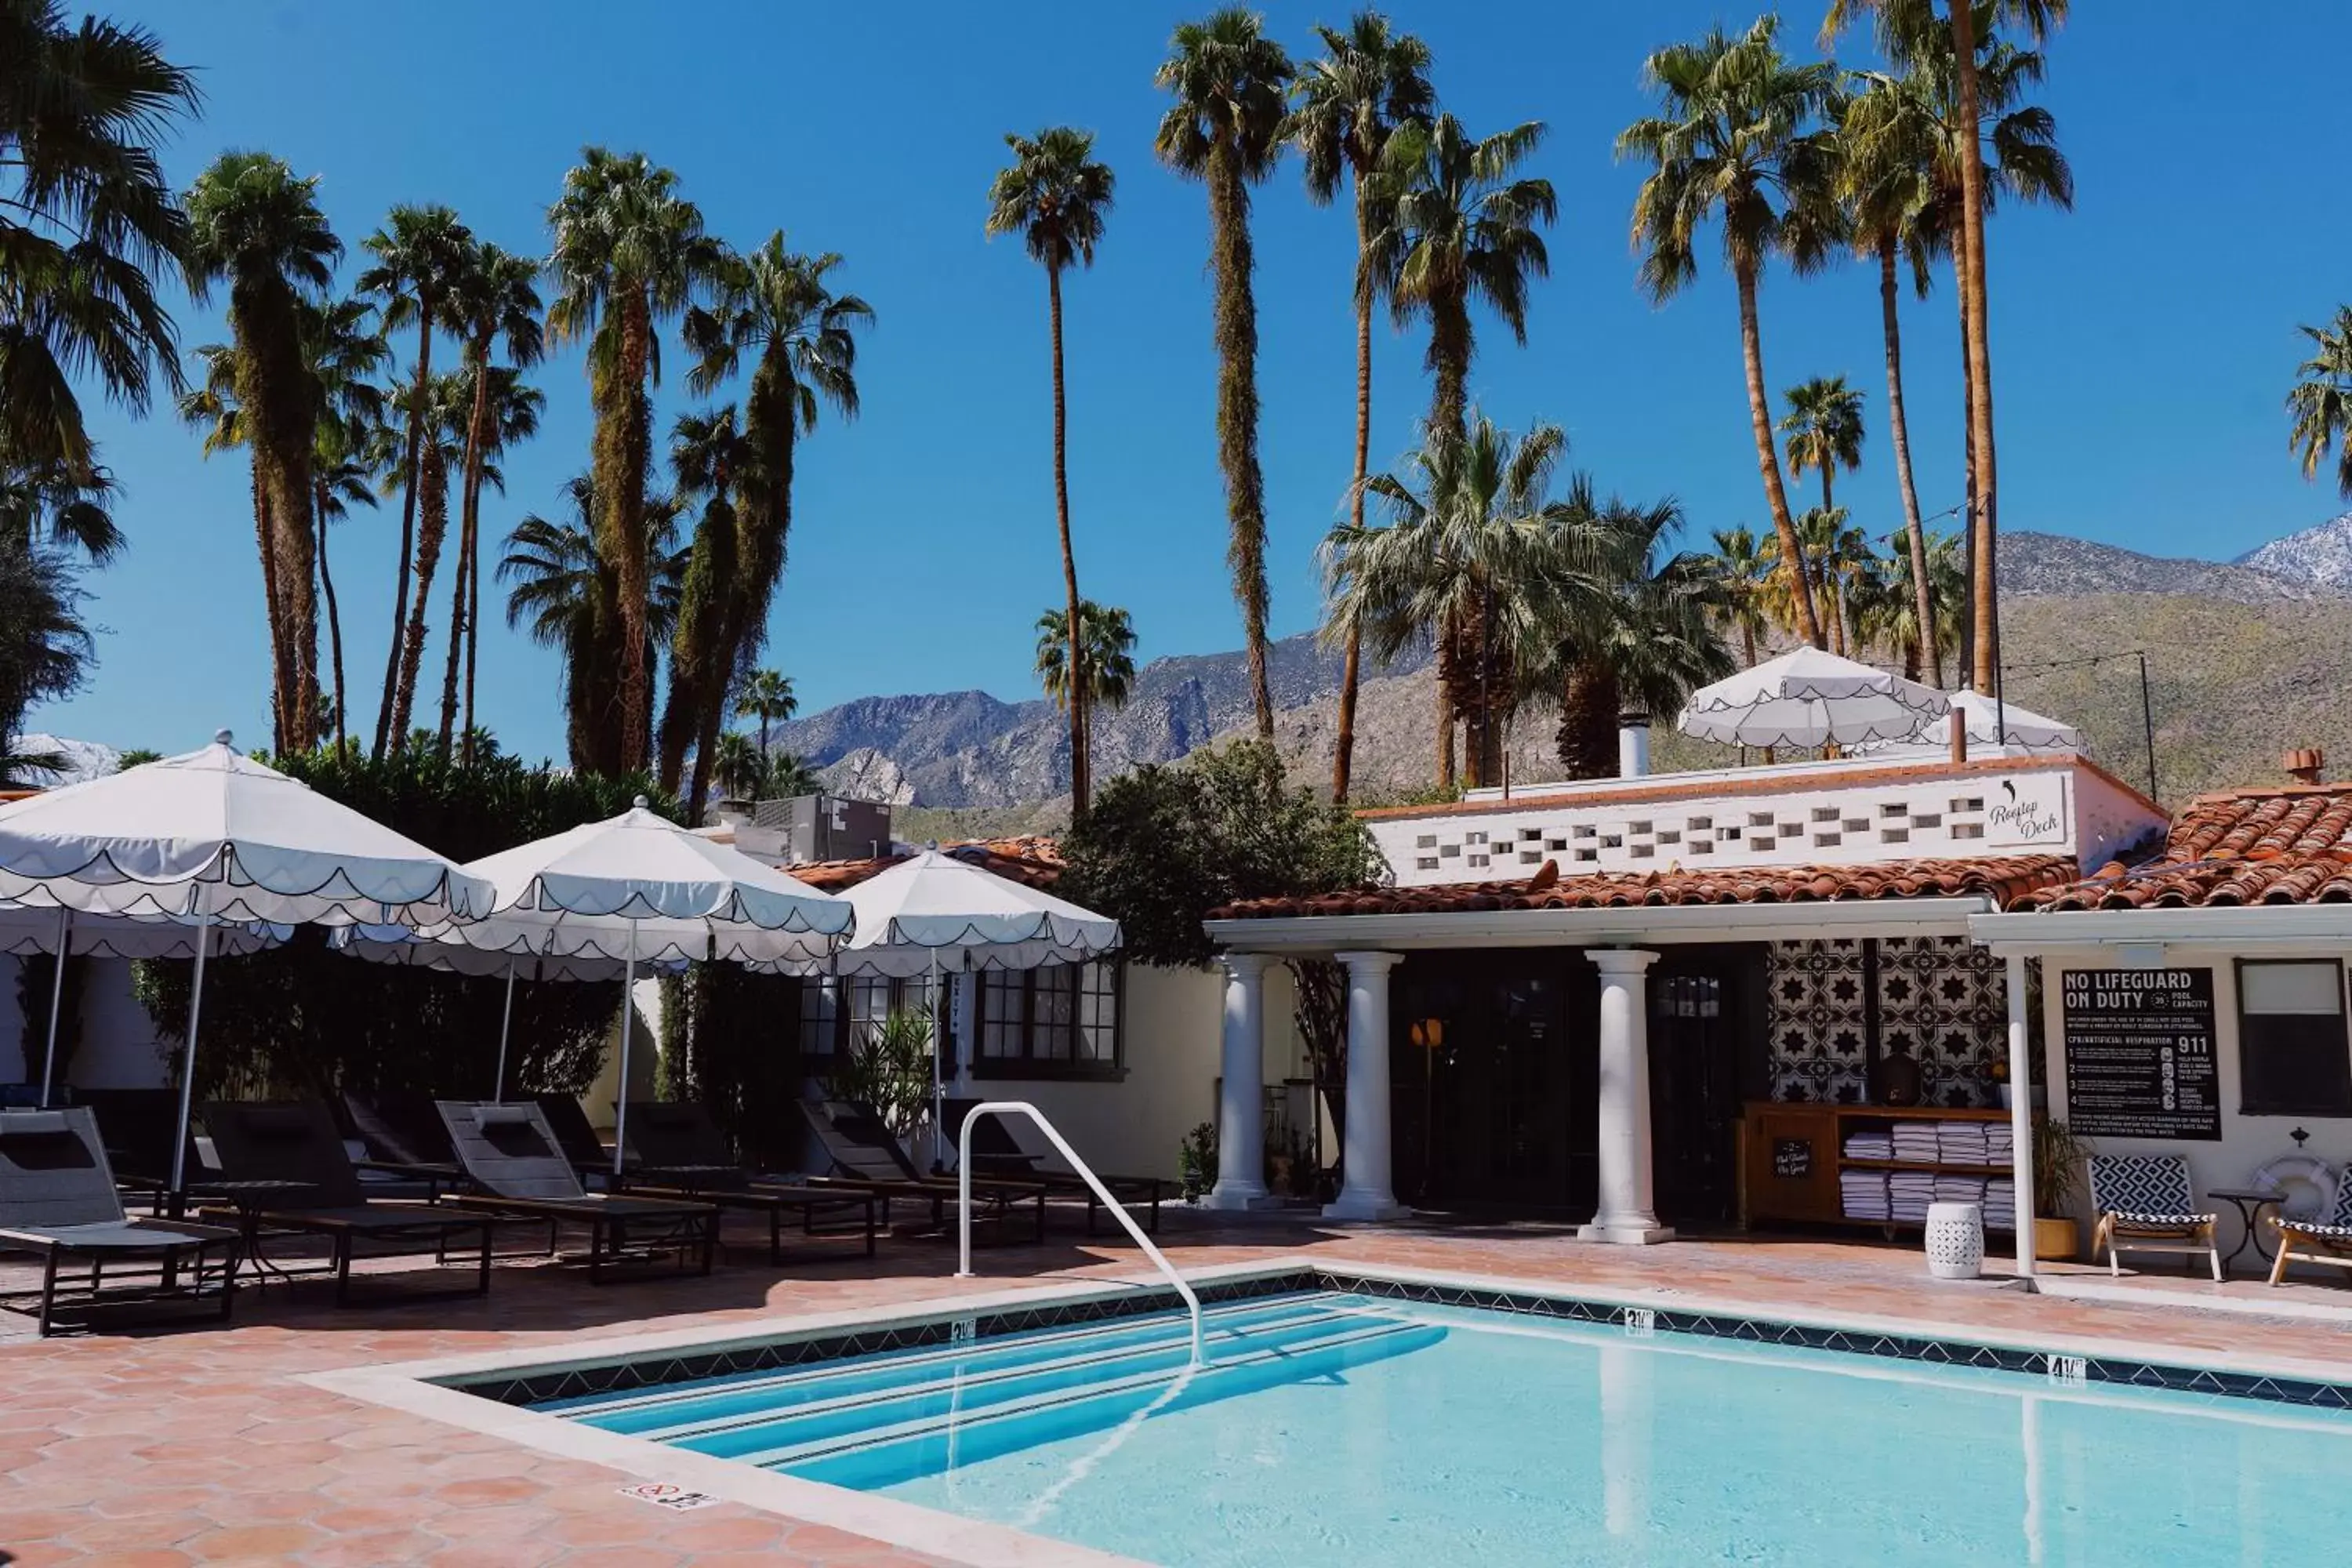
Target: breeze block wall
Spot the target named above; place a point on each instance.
(1834, 1005)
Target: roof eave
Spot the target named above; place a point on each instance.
(2217, 925)
(1777, 921)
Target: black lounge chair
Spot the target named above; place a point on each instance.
(512, 1158)
(283, 1168)
(58, 1202)
(866, 1157)
(591, 1160)
(996, 1152)
(682, 1153)
(404, 1141)
(137, 1126)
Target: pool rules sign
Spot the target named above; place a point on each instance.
(2139, 1053)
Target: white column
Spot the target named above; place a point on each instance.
(1241, 1107)
(1627, 1213)
(1365, 1191)
(2021, 1113)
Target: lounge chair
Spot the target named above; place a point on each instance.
(592, 1161)
(996, 1153)
(2326, 1240)
(58, 1202)
(2143, 1203)
(283, 1168)
(137, 1126)
(682, 1153)
(404, 1139)
(866, 1156)
(512, 1156)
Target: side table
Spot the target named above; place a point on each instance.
(2249, 1203)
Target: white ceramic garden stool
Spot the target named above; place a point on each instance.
(1955, 1241)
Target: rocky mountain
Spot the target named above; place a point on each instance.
(2321, 556)
(82, 759)
(2245, 658)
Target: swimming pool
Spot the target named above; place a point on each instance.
(1338, 1424)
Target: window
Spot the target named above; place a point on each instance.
(871, 1002)
(1060, 1021)
(2293, 1056)
(820, 1017)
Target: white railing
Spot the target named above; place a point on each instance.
(1118, 1209)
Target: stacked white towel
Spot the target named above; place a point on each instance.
(2001, 1203)
(1908, 1193)
(2000, 1146)
(1861, 1194)
(1959, 1189)
(1960, 1142)
(1867, 1145)
(1916, 1141)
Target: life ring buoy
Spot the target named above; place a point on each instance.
(2306, 1185)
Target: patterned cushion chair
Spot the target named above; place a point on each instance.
(2143, 1205)
(2326, 1240)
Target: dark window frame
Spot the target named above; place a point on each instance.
(2251, 1103)
(1029, 1062)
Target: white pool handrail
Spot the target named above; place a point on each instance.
(1118, 1209)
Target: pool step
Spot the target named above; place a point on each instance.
(981, 1383)
(656, 1411)
(884, 1456)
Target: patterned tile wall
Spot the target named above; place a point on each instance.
(1939, 999)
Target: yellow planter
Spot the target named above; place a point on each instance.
(2055, 1240)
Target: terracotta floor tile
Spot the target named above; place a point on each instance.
(725, 1535)
(263, 1541)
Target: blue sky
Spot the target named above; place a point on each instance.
(2141, 345)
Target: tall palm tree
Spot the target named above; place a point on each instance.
(1736, 141)
(444, 402)
(256, 227)
(1903, 26)
(1889, 617)
(1823, 426)
(1057, 195)
(1105, 643)
(87, 222)
(777, 307)
(1474, 540)
(420, 256)
(345, 353)
(1740, 568)
(1224, 129)
(2321, 401)
(1463, 227)
(502, 412)
(710, 458)
(565, 591)
(1346, 106)
(1639, 641)
(766, 696)
(629, 253)
(496, 301)
(738, 766)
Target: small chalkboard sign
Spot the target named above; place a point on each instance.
(1792, 1158)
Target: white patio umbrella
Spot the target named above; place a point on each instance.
(934, 906)
(1809, 698)
(27, 932)
(1993, 724)
(213, 837)
(639, 887)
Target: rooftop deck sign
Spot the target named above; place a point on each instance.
(2140, 1060)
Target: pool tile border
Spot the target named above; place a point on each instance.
(624, 1374)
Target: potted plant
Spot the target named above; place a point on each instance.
(2058, 1158)
(1196, 1163)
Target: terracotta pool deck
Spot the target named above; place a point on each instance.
(203, 1445)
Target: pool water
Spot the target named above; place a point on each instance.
(1332, 1428)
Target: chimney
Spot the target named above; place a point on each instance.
(1633, 745)
(2303, 763)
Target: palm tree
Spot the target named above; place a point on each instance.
(345, 353)
(1639, 641)
(1105, 645)
(739, 765)
(254, 225)
(629, 252)
(496, 300)
(1462, 227)
(1733, 143)
(444, 401)
(1740, 568)
(503, 412)
(61, 506)
(1224, 129)
(566, 592)
(1475, 544)
(1346, 105)
(710, 458)
(1889, 617)
(1904, 29)
(87, 222)
(421, 255)
(1823, 426)
(2321, 402)
(1055, 196)
(766, 696)
(778, 306)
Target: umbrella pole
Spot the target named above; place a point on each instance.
(506, 1021)
(939, 1092)
(628, 1018)
(188, 1070)
(57, 1001)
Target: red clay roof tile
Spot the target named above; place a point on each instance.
(2285, 844)
(1033, 860)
